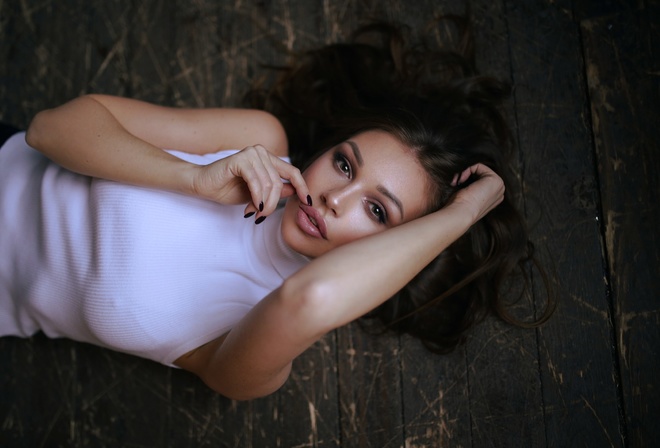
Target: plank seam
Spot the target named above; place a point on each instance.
(521, 164)
(605, 261)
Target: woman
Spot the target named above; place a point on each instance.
(153, 253)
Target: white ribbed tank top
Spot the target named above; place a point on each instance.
(147, 272)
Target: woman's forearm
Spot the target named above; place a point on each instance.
(334, 289)
(353, 279)
(83, 136)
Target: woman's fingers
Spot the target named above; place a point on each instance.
(265, 175)
(253, 176)
(482, 195)
(465, 175)
(296, 181)
(271, 183)
(462, 177)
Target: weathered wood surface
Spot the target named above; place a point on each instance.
(585, 111)
(578, 380)
(623, 71)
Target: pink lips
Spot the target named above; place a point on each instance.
(311, 222)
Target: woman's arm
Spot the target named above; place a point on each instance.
(198, 131)
(121, 139)
(254, 358)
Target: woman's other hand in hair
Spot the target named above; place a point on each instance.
(482, 194)
(253, 176)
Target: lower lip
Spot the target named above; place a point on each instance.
(306, 225)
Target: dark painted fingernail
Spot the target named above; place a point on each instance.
(260, 220)
(261, 206)
(247, 215)
(309, 200)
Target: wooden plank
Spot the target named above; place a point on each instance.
(579, 389)
(503, 373)
(107, 46)
(197, 71)
(504, 387)
(586, 9)
(119, 399)
(436, 398)
(11, 28)
(38, 396)
(486, 393)
(369, 389)
(39, 70)
(622, 73)
(149, 54)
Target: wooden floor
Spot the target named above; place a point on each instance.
(586, 114)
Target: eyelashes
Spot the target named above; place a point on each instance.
(375, 210)
(378, 212)
(342, 164)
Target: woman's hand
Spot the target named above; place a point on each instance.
(481, 196)
(253, 176)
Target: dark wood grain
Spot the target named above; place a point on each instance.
(40, 397)
(586, 159)
(623, 73)
(503, 373)
(561, 201)
(586, 9)
(369, 390)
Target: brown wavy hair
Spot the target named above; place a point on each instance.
(433, 99)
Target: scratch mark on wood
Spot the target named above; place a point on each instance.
(624, 84)
(557, 376)
(600, 422)
(116, 49)
(185, 73)
(617, 163)
(27, 15)
(444, 429)
(611, 226)
(589, 306)
(351, 352)
(624, 327)
(351, 411)
(313, 437)
(288, 27)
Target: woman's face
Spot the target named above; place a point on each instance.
(362, 186)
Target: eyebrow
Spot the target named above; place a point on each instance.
(393, 198)
(380, 188)
(356, 152)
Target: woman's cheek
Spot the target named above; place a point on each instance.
(355, 228)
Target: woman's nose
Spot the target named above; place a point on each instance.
(335, 199)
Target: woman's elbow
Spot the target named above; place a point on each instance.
(50, 127)
(311, 302)
(36, 129)
(245, 388)
(271, 133)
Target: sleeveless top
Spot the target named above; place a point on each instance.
(137, 270)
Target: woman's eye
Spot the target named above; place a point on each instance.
(378, 212)
(342, 164)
